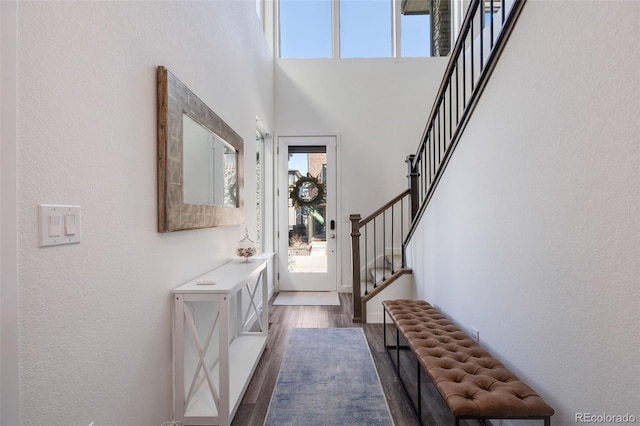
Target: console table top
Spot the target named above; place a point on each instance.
(226, 277)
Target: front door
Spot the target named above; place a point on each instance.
(307, 213)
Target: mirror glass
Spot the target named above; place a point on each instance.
(210, 173)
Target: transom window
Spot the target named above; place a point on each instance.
(305, 28)
(365, 29)
(351, 29)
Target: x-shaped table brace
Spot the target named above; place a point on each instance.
(202, 352)
(252, 304)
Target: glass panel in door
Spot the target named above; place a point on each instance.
(307, 209)
(307, 214)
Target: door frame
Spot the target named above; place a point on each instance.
(340, 224)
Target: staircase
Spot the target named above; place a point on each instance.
(381, 269)
(379, 241)
(377, 250)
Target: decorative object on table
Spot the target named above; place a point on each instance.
(246, 246)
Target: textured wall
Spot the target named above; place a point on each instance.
(533, 236)
(95, 318)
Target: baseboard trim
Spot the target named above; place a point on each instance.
(374, 317)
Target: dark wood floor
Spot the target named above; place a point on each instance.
(282, 319)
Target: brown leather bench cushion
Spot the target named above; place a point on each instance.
(470, 380)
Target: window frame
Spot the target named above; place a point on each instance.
(260, 189)
(396, 30)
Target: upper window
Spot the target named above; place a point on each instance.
(305, 28)
(363, 29)
(415, 36)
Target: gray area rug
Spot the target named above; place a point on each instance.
(328, 378)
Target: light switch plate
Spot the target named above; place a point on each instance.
(66, 218)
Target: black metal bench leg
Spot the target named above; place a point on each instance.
(384, 328)
(398, 349)
(419, 393)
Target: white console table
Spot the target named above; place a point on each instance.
(214, 353)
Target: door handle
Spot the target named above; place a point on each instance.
(332, 225)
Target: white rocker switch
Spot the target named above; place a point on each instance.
(70, 224)
(55, 224)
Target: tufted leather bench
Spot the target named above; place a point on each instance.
(472, 383)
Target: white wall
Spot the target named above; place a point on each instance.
(379, 106)
(9, 355)
(95, 318)
(533, 236)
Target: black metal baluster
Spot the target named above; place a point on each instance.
(375, 252)
(439, 134)
(439, 137)
(441, 128)
(402, 218)
(433, 156)
(481, 37)
(444, 120)
(384, 244)
(436, 143)
(450, 110)
(427, 167)
(366, 259)
(393, 243)
(457, 95)
(423, 170)
(491, 23)
(471, 42)
(464, 77)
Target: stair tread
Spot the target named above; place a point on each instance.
(394, 259)
(379, 274)
(368, 283)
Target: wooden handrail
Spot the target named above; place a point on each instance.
(386, 206)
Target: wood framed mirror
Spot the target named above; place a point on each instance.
(200, 176)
